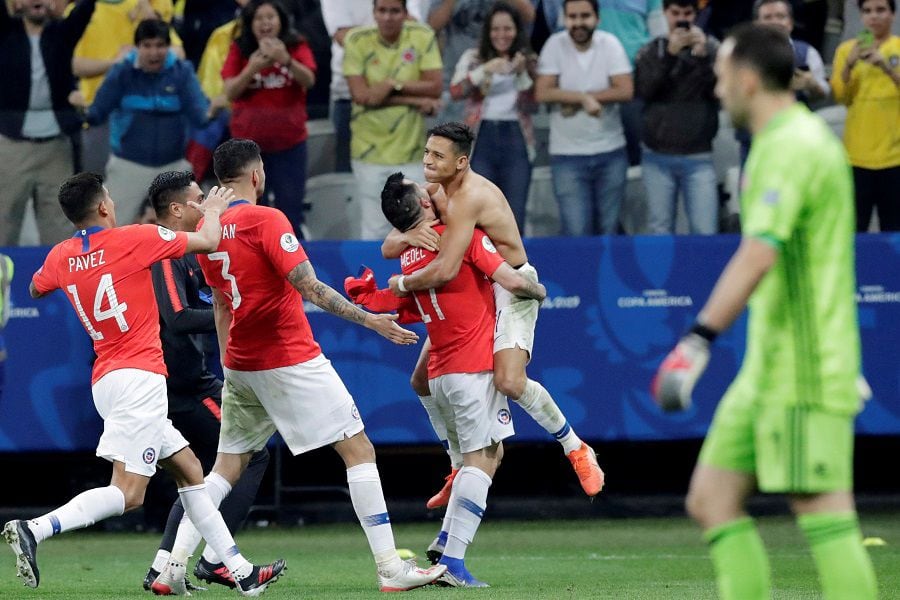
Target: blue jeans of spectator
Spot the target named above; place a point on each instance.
(631, 114)
(665, 175)
(286, 181)
(501, 155)
(340, 118)
(589, 189)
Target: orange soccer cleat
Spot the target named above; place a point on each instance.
(584, 461)
(442, 498)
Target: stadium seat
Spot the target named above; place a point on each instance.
(320, 147)
(331, 216)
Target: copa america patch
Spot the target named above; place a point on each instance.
(354, 412)
(165, 233)
(149, 455)
(488, 245)
(289, 242)
(503, 416)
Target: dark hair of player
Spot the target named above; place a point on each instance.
(400, 203)
(79, 194)
(767, 51)
(167, 187)
(231, 158)
(458, 133)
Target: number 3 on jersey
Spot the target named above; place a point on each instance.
(115, 311)
(226, 264)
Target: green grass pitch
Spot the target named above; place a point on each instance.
(599, 558)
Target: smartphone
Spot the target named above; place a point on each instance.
(803, 68)
(865, 38)
(683, 24)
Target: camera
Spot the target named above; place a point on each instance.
(683, 24)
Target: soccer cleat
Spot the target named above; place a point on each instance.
(149, 578)
(171, 581)
(442, 498)
(152, 574)
(410, 577)
(260, 578)
(460, 578)
(436, 548)
(21, 541)
(584, 461)
(213, 573)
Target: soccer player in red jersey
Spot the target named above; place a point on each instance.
(465, 200)
(460, 319)
(105, 273)
(276, 377)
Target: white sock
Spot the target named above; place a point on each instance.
(439, 424)
(188, 537)
(211, 556)
(450, 513)
(538, 403)
(162, 557)
(206, 518)
(371, 510)
(83, 510)
(469, 499)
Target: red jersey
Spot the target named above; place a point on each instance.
(105, 273)
(272, 110)
(268, 326)
(459, 316)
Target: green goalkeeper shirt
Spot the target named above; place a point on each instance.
(803, 333)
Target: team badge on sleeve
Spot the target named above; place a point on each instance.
(289, 242)
(165, 233)
(488, 245)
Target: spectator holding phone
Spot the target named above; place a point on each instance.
(674, 77)
(866, 77)
(810, 81)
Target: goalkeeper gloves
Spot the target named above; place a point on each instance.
(678, 374)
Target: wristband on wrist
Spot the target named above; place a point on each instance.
(705, 332)
(400, 283)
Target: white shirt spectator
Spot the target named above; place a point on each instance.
(582, 134)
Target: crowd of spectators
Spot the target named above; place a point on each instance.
(130, 88)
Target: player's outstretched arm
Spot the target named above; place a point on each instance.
(515, 283)
(303, 278)
(207, 238)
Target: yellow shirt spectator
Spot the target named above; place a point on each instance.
(389, 135)
(872, 129)
(210, 70)
(112, 26)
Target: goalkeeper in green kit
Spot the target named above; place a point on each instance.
(786, 423)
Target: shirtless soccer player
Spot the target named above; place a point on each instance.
(465, 200)
(460, 319)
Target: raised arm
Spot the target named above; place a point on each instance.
(207, 238)
(303, 279)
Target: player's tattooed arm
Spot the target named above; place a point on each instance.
(303, 278)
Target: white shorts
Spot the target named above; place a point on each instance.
(476, 414)
(306, 403)
(136, 430)
(516, 317)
